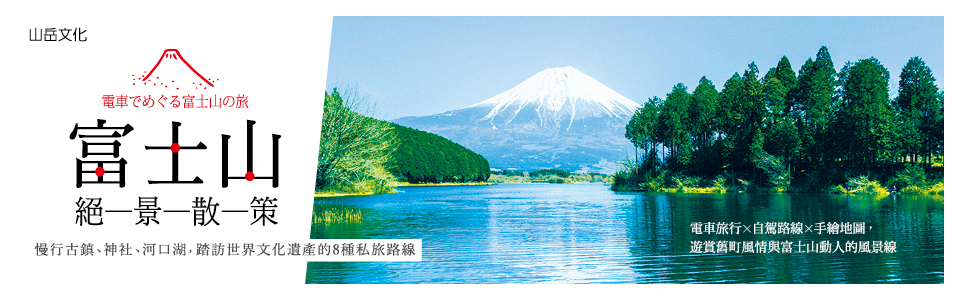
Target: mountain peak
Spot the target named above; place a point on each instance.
(560, 91)
(566, 69)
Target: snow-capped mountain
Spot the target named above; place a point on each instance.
(557, 96)
(558, 118)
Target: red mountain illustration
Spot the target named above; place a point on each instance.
(152, 78)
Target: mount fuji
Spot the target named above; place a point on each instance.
(559, 118)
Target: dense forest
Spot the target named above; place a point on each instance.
(423, 157)
(813, 130)
(362, 155)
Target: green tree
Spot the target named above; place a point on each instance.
(781, 138)
(702, 112)
(863, 125)
(742, 120)
(778, 173)
(642, 128)
(728, 119)
(814, 100)
(353, 147)
(919, 112)
(784, 73)
(675, 123)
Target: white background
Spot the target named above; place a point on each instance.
(276, 53)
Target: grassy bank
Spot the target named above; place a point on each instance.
(332, 214)
(860, 185)
(721, 184)
(676, 184)
(326, 194)
(935, 189)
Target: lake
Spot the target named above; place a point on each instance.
(585, 233)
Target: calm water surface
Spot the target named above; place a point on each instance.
(585, 233)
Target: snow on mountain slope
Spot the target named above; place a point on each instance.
(555, 95)
(558, 118)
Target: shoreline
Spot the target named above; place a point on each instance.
(675, 191)
(331, 195)
(925, 191)
(445, 184)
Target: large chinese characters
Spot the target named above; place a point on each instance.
(100, 162)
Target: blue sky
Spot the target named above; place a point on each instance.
(415, 66)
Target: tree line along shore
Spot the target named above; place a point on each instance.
(818, 130)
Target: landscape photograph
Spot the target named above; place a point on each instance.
(635, 149)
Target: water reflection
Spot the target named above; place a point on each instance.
(584, 233)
